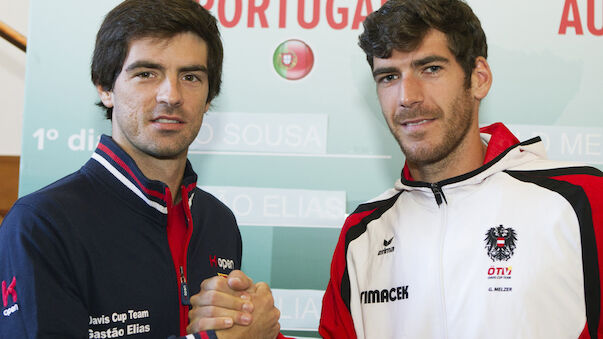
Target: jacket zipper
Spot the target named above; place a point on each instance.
(184, 290)
(444, 228)
(184, 297)
(438, 193)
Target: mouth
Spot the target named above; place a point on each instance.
(416, 122)
(163, 120)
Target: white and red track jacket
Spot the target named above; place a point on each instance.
(509, 250)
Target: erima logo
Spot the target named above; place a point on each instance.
(386, 249)
(387, 242)
(384, 295)
(500, 243)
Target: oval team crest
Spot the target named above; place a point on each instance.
(293, 59)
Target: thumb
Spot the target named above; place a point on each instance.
(239, 281)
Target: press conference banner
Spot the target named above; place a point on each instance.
(296, 140)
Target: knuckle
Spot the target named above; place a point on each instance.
(262, 284)
(195, 299)
(221, 282)
(194, 313)
(214, 283)
(211, 297)
(205, 284)
(212, 311)
(205, 312)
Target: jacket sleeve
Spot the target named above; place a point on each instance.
(211, 335)
(40, 295)
(200, 335)
(336, 320)
(591, 182)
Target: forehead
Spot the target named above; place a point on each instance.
(434, 43)
(186, 48)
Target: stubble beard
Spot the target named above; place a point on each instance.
(159, 147)
(170, 148)
(455, 129)
(171, 151)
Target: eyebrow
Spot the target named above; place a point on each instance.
(429, 59)
(383, 70)
(193, 68)
(415, 64)
(152, 65)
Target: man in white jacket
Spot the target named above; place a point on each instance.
(481, 237)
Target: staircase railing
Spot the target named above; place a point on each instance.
(13, 36)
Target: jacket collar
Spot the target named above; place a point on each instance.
(154, 193)
(498, 137)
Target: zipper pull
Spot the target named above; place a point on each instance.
(184, 289)
(439, 194)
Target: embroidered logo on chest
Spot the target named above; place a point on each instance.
(386, 249)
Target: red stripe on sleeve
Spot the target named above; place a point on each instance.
(593, 187)
(336, 320)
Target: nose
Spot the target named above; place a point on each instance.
(169, 92)
(411, 93)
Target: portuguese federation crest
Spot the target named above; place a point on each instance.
(500, 243)
(288, 60)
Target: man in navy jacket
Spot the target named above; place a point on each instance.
(116, 248)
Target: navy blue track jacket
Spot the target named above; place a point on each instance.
(88, 256)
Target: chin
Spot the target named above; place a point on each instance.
(166, 152)
(422, 155)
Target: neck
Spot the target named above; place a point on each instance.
(167, 170)
(468, 156)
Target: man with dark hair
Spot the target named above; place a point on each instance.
(482, 236)
(116, 248)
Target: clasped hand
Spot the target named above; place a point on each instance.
(235, 307)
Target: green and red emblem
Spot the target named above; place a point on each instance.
(293, 59)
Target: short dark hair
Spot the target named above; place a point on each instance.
(402, 24)
(135, 19)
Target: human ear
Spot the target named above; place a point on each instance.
(106, 97)
(481, 78)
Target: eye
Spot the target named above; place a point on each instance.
(191, 77)
(144, 75)
(387, 78)
(433, 69)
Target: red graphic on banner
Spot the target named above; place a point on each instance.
(571, 18)
(308, 15)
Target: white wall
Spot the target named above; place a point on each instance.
(12, 77)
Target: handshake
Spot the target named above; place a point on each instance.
(235, 307)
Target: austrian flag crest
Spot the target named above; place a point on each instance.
(500, 243)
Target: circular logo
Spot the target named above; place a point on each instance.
(293, 59)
